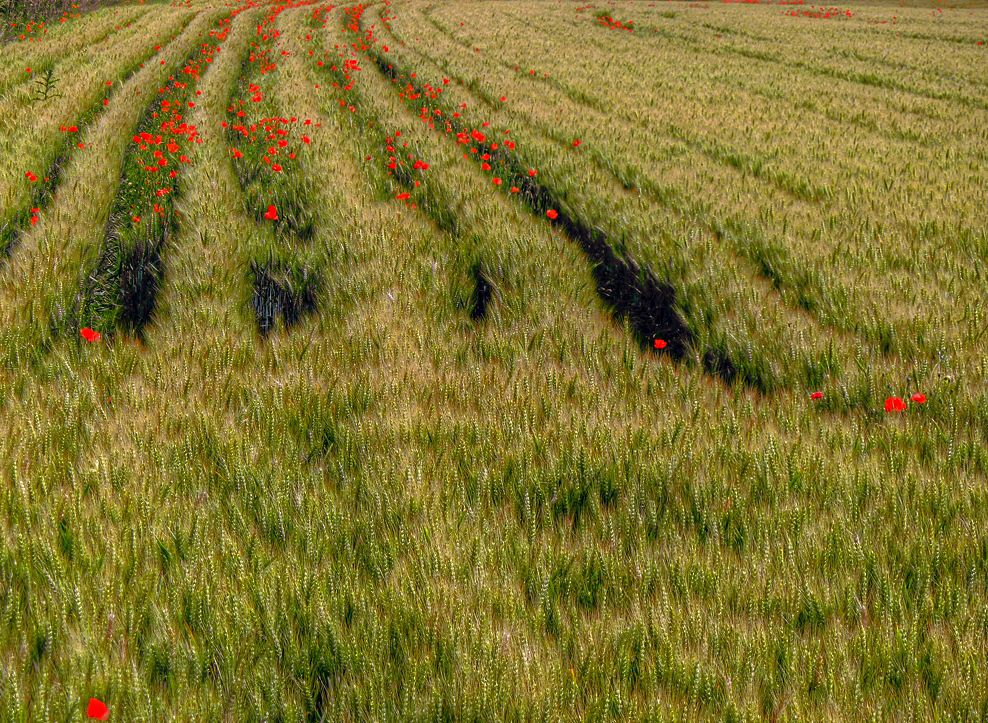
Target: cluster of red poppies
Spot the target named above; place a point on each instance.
(609, 22)
(819, 13)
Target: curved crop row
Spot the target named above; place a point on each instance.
(44, 185)
(857, 373)
(278, 194)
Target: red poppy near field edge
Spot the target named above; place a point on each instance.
(271, 214)
(918, 398)
(816, 395)
(894, 404)
(497, 181)
(660, 344)
(90, 335)
(551, 213)
(97, 709)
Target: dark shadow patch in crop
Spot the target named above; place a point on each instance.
(139, 277)
(718, 362)
(482, 292)
(127, 277)
(279, 291)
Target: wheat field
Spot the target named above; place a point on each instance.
(494, 361)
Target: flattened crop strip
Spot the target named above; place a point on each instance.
(18, 220)
(123, 288)
(278, 194)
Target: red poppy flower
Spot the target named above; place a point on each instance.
(305, 140)
(532, 172)
(576, 143)
(514, 189)
(275, 167)
(551, 213)
(97, 709)
(660, 344)
(502, 98)
(237, 154)
(485, 166)
(91, 336)
(497, 181)
(816, 395)
(30, 176)
(894, 404)
(272, 213)
(918, 398)
(403, 196)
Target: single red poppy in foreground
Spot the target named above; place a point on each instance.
(97, 709)
(816, 395)
(551, 213)
(894, 404)
(90, 335)
(918, 398)
(271, 214)
(660, 344)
